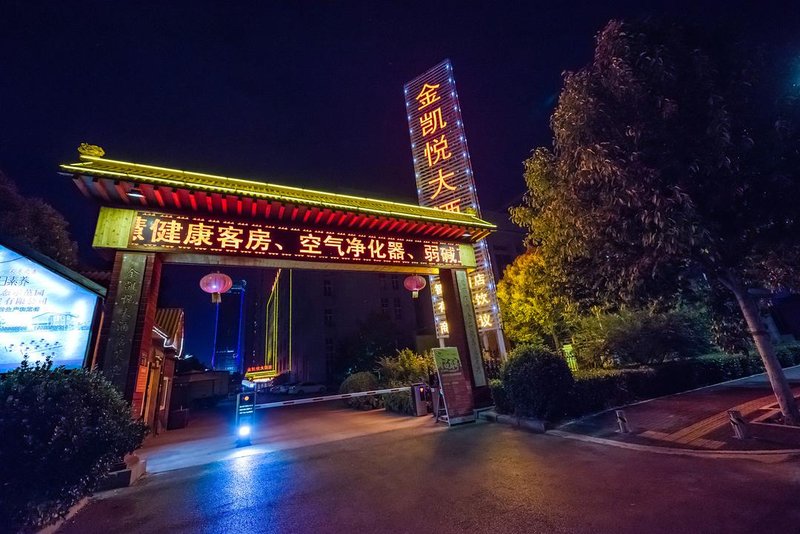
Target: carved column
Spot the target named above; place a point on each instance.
(130, 315)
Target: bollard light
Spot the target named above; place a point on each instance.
(245, 412)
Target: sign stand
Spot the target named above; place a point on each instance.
(455, 388)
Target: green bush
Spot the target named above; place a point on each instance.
(788, 354)
(598, 390)
(675, 376)
(61, 432)
(502, 404)
(405, 368)
(538, 382)
(643, 337)
(358, 382)
(398, 402)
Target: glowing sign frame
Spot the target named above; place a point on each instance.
(147, 230)
(445, 180)
(43, 313)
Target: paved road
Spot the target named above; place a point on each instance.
(210, 436)
(478, 478)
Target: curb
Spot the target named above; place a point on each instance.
(536, 426)
(533, 425)
(673, 451)
(53, 527)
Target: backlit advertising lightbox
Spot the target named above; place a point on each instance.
(41, 314)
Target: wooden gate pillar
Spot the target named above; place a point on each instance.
(130, 312)
(463, 330)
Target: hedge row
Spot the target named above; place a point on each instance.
(601, 389)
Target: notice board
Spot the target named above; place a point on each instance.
(455, 386)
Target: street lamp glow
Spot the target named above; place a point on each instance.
(244, 431)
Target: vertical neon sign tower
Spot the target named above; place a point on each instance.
(445, 181)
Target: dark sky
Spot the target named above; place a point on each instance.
(302, 93)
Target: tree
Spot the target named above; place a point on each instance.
(676, 157)
(35, 223)
(532, 307)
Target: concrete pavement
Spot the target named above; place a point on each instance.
(476, 478)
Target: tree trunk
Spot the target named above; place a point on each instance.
(556, 341)
(780, 386)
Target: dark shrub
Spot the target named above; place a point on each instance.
(398, 402)
(358, 382)
(61, 432)
(788, 354)
(538, 383)
(600, 389)
(502, 404)
(406, 367)
(640, 337)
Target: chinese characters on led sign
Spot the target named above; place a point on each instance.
(444, 178)
(179, 233)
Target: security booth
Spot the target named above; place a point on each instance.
(46, 310)
(419, 400)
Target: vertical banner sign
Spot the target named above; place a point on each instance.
(455, 386)
(445, 181)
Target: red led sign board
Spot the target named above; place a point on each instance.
(445, 180)
(166, 232)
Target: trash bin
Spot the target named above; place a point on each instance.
(419, 405)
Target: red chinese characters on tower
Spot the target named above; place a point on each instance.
(437, 148)
(445, 180)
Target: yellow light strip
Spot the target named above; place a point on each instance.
(428, 213)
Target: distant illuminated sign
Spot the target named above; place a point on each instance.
(41, 314)
(260, 372)
(445, 180)
(166, 232)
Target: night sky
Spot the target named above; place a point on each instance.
(302, 93)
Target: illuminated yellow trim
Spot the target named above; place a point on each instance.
(282, 192)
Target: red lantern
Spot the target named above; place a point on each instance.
(216, 283)
(414, 283)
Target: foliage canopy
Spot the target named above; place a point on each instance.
(35, 223)
(676, 157)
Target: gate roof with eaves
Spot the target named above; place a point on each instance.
(111, 182)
